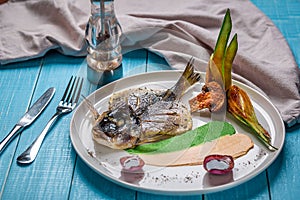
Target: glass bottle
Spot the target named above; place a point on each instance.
(103, 34)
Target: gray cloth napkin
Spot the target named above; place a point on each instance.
(173, 29)
(30, 28)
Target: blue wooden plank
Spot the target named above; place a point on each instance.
(87, 184)
(284, 172)
(17, 84)
(50, 176)
(134, 62)
(256, 188)
(156, 63)
(278, 9)
(146, 196)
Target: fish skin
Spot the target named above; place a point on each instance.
(161, 120)
(139, 115)
(173, 117)
(138, 98)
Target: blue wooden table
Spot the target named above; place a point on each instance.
(58, 173)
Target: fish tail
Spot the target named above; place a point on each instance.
(188, 78)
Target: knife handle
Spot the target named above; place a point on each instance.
(16, 129)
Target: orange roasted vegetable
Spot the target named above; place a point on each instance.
(240, 106)
(212, 97)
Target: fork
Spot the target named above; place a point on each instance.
(66, 105)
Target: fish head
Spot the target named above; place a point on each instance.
(117, 129)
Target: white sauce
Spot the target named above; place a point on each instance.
(217, 164)
(131, 162)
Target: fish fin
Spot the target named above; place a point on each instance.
(91, 108)
(188, 78)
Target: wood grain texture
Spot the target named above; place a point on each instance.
(17, 84)
(256, 188)
(284, 172)
(156, 63)
(134, 62)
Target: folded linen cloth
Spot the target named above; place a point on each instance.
(173, 29)
(178, 30)
(30, 28)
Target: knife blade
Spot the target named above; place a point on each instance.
(33, 112)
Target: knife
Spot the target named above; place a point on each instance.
(33, 112)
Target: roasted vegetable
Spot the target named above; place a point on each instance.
(240, 106)
(219, 70)
(238, 101)
(212, 97)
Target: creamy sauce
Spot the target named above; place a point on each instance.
(234, 145)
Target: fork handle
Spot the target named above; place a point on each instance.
(29, 155)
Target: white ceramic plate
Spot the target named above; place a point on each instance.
(183, 180)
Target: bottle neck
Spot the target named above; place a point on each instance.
(102, 7)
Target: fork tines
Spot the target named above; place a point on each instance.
(72, 92)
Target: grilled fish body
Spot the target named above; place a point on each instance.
(141, 115)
